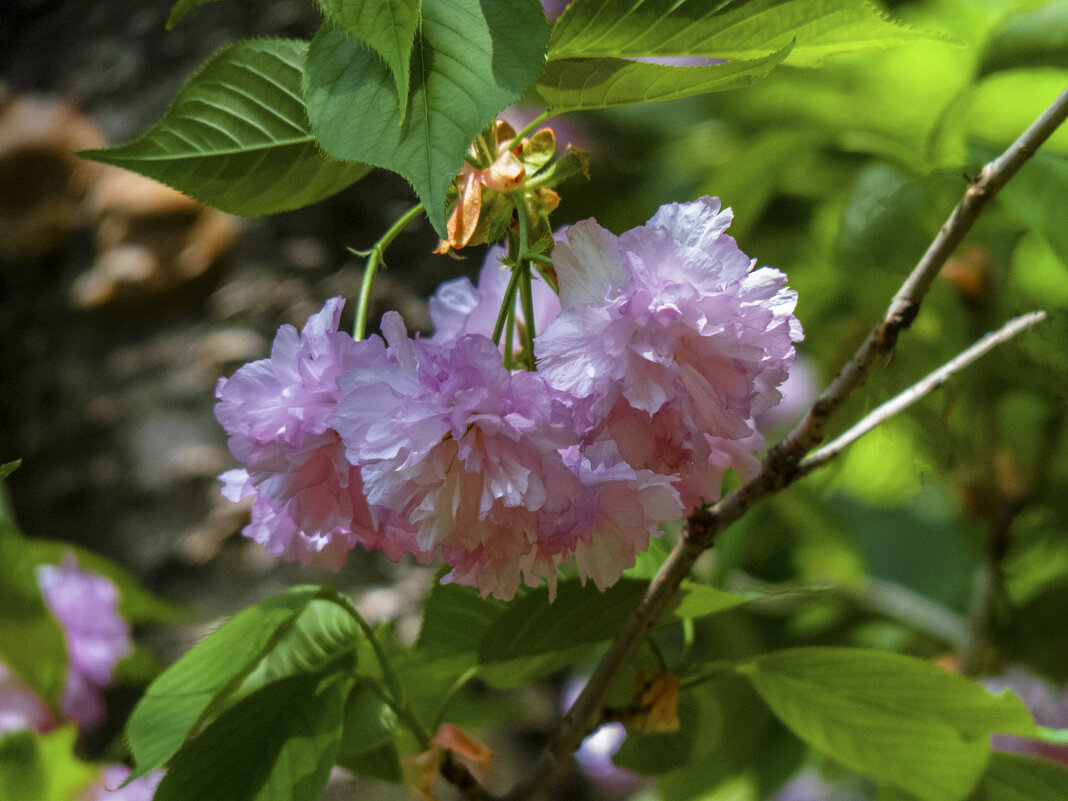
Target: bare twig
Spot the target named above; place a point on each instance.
(918, 390)
(780, 467)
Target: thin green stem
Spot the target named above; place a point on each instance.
(502, 315)
(509, 334)
(375, 255)
(457, 685)
(526, 295)
(528, 128)
(398, 701)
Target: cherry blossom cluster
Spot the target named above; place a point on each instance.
(660, 349)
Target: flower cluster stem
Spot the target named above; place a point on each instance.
(375, 257)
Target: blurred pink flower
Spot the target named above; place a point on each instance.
(20, 707)
(106, 788)
(669, 341)
(309, 502)
(87, 607)
(1046, 702)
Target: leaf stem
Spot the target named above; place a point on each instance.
(398, 700)
(528, 128)
(375, 257)
(526, 294)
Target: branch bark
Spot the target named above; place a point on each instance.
(921, 388)
(781, 466)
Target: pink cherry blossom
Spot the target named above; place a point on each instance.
(20, 707)
(473, 457)
(309, 504)
(87, 607)
(669, 341)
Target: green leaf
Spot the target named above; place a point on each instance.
(36, 767)
(321, 633)
(31, 641)
(278, 743)
(8, 468)
(471, 59)
(890, 217)
(583, 614)
(388, 27)
(381, 763)
(455, 618)
(369, 723)
(236, 136)
(591, 83)
(735, 30)
(1035, 38)
(899, 719)
(181, 697)
(1011, 777)
(181, 8)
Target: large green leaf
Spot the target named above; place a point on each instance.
(899, 719)
(388, 27)
(278, 743)
(738, 30)
(370, 729)
(583, 614)
(455, 618)
(470, 60)
(36, 767)
(236, 136)
(576, 84)
(183, 694)
(322, 632)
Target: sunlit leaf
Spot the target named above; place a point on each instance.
(280, 742)
(236, 136)
(471, 59)
(737, 30)
(176, 701)
(899, 719)
(387, 26)
(591, 83)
